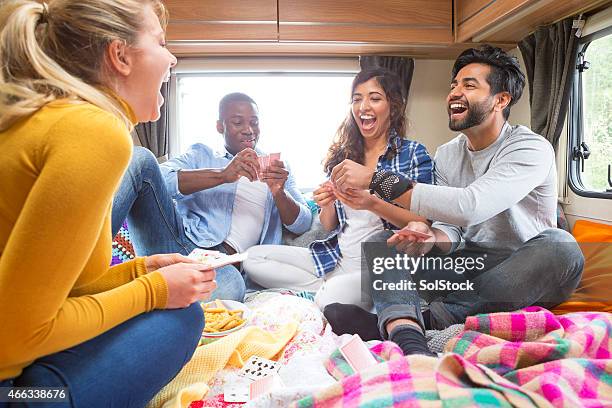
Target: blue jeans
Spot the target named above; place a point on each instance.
(154, 224)
(123, 367)
(544, 271)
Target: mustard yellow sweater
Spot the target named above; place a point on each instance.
(59, 169)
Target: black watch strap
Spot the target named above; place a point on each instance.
(389, 185)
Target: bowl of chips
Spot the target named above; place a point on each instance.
(223, 317)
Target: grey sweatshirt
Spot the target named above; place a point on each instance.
(498, 197)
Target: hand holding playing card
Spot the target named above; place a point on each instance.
(356, 199)
(324, 195)
(349, 174)
(416, 238)
(154, 262)
(244, 164)
(275, 175)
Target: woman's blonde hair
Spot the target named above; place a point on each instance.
(57, 51)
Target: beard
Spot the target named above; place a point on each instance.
(476, 114)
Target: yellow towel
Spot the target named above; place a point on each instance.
(191, 382)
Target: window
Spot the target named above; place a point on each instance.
(299, 113)
(591, 125)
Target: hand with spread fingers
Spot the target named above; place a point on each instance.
(356, 199)
(324, 196)
(243, 164)
(275, 176)
(411, 244)
(349, 174)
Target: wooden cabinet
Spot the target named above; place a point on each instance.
(420, 28)
(510, 21)
(385, 21)
(222, 20)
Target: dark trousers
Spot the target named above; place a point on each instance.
(544, 271)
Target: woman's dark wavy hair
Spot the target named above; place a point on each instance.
(505, 75)
(348, 142)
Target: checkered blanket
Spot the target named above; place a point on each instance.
(524, 359)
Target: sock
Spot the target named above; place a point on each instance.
(410, 339)
(352, 319)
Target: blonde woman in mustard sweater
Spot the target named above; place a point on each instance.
(74, 77)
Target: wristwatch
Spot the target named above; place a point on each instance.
(389, 185)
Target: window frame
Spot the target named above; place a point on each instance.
(250, 66)
(576, 136)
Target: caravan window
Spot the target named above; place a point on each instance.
(591, 125)
(299, 113)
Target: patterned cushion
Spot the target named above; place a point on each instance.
(122, 246)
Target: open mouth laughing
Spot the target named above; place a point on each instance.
(457, 109)
(367, 121)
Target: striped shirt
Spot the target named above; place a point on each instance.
(412, 160)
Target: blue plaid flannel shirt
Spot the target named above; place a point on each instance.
(411, 160)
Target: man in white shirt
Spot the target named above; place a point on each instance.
(221, 200)
(226, 199)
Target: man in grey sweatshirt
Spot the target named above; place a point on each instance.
(492, 242)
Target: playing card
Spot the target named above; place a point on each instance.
(224, 259)
(405, 232)
(260, 160)
(265, 385)
(237, 391)
(357, 354)
(274, 156)
(329, 184)
(257, 367)
(216, 259)
(200, 254)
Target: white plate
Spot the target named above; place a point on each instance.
(230, 305)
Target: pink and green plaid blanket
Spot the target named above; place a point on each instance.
(524, 359)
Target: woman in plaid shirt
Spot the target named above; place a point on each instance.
(372, 137)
